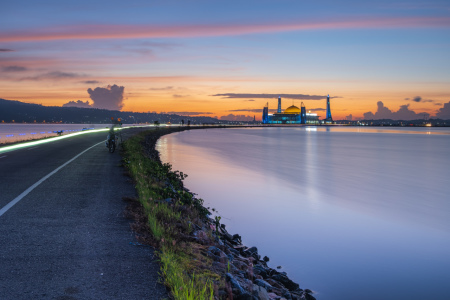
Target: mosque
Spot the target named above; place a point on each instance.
(294, 115)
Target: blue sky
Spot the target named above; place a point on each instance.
(361, 52)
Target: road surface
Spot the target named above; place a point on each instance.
(67, 238)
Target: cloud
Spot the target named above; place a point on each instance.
(404, 113)
(349, 117)
(77, 103)
(250, 100)
(110, 97)
(14, 69)
(6, 50)
(420, 99)
(444, 112)
(112, 31)
(255, 110)
(232, 117)
(179, 96)
(91, 82)
(167, 88)
(273, 96)
(316, 109)
(189, 113)
(56, 75)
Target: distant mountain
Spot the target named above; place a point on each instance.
(19, 112)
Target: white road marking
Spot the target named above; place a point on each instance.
(32, 148)
(28, 190)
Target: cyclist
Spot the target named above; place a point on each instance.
(111, 138)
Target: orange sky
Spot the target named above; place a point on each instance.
(176, 62)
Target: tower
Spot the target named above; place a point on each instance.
(265, 116)
(303, 114)
(328, 117)
(279, 105)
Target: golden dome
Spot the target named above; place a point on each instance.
(292, 110)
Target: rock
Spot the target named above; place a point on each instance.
(223, 294)
(237, 238)
(260, 293)
(253, 252)
(230, 257)
(264, 284)
(309, 296)
(284, 280)
(216, 251)
(295, 296)
(227, 236)
(275, 283)
(260, 270)
(273, 296)
(240, 265)
(287, 295)
(266, 259)
(234, 284)
(221, 267)
(234, 251)
(245, 296)
(201, 237)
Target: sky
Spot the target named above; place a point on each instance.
(229, 58)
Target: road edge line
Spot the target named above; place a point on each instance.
(28, 190)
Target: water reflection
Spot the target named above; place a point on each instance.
(344, 210)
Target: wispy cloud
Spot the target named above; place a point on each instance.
(256, 110)
(111, 31)
(167, 88)
(14, 69)
(273, 96)
(91, 82)
(6, 50)
(189, 113)
(180, 96)
(56, 75)
(420, 99)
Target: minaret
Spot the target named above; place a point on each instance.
(303, 114)
(328, 117)
(265, 116)
(279, 105)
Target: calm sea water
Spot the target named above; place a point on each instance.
(21, 132)
(351, 213)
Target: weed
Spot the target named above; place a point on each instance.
(184, 268)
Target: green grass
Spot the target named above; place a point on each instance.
(186, 271)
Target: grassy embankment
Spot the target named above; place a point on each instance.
(185, 270)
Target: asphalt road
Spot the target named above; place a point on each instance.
(68, 238)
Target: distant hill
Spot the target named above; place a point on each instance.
(19, 112)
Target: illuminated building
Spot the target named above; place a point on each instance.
(328, 117)
(291, 115)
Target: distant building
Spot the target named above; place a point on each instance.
(291, 115)
(328, 118)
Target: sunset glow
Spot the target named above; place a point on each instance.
(178, 57)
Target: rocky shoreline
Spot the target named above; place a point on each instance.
(246, 274)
